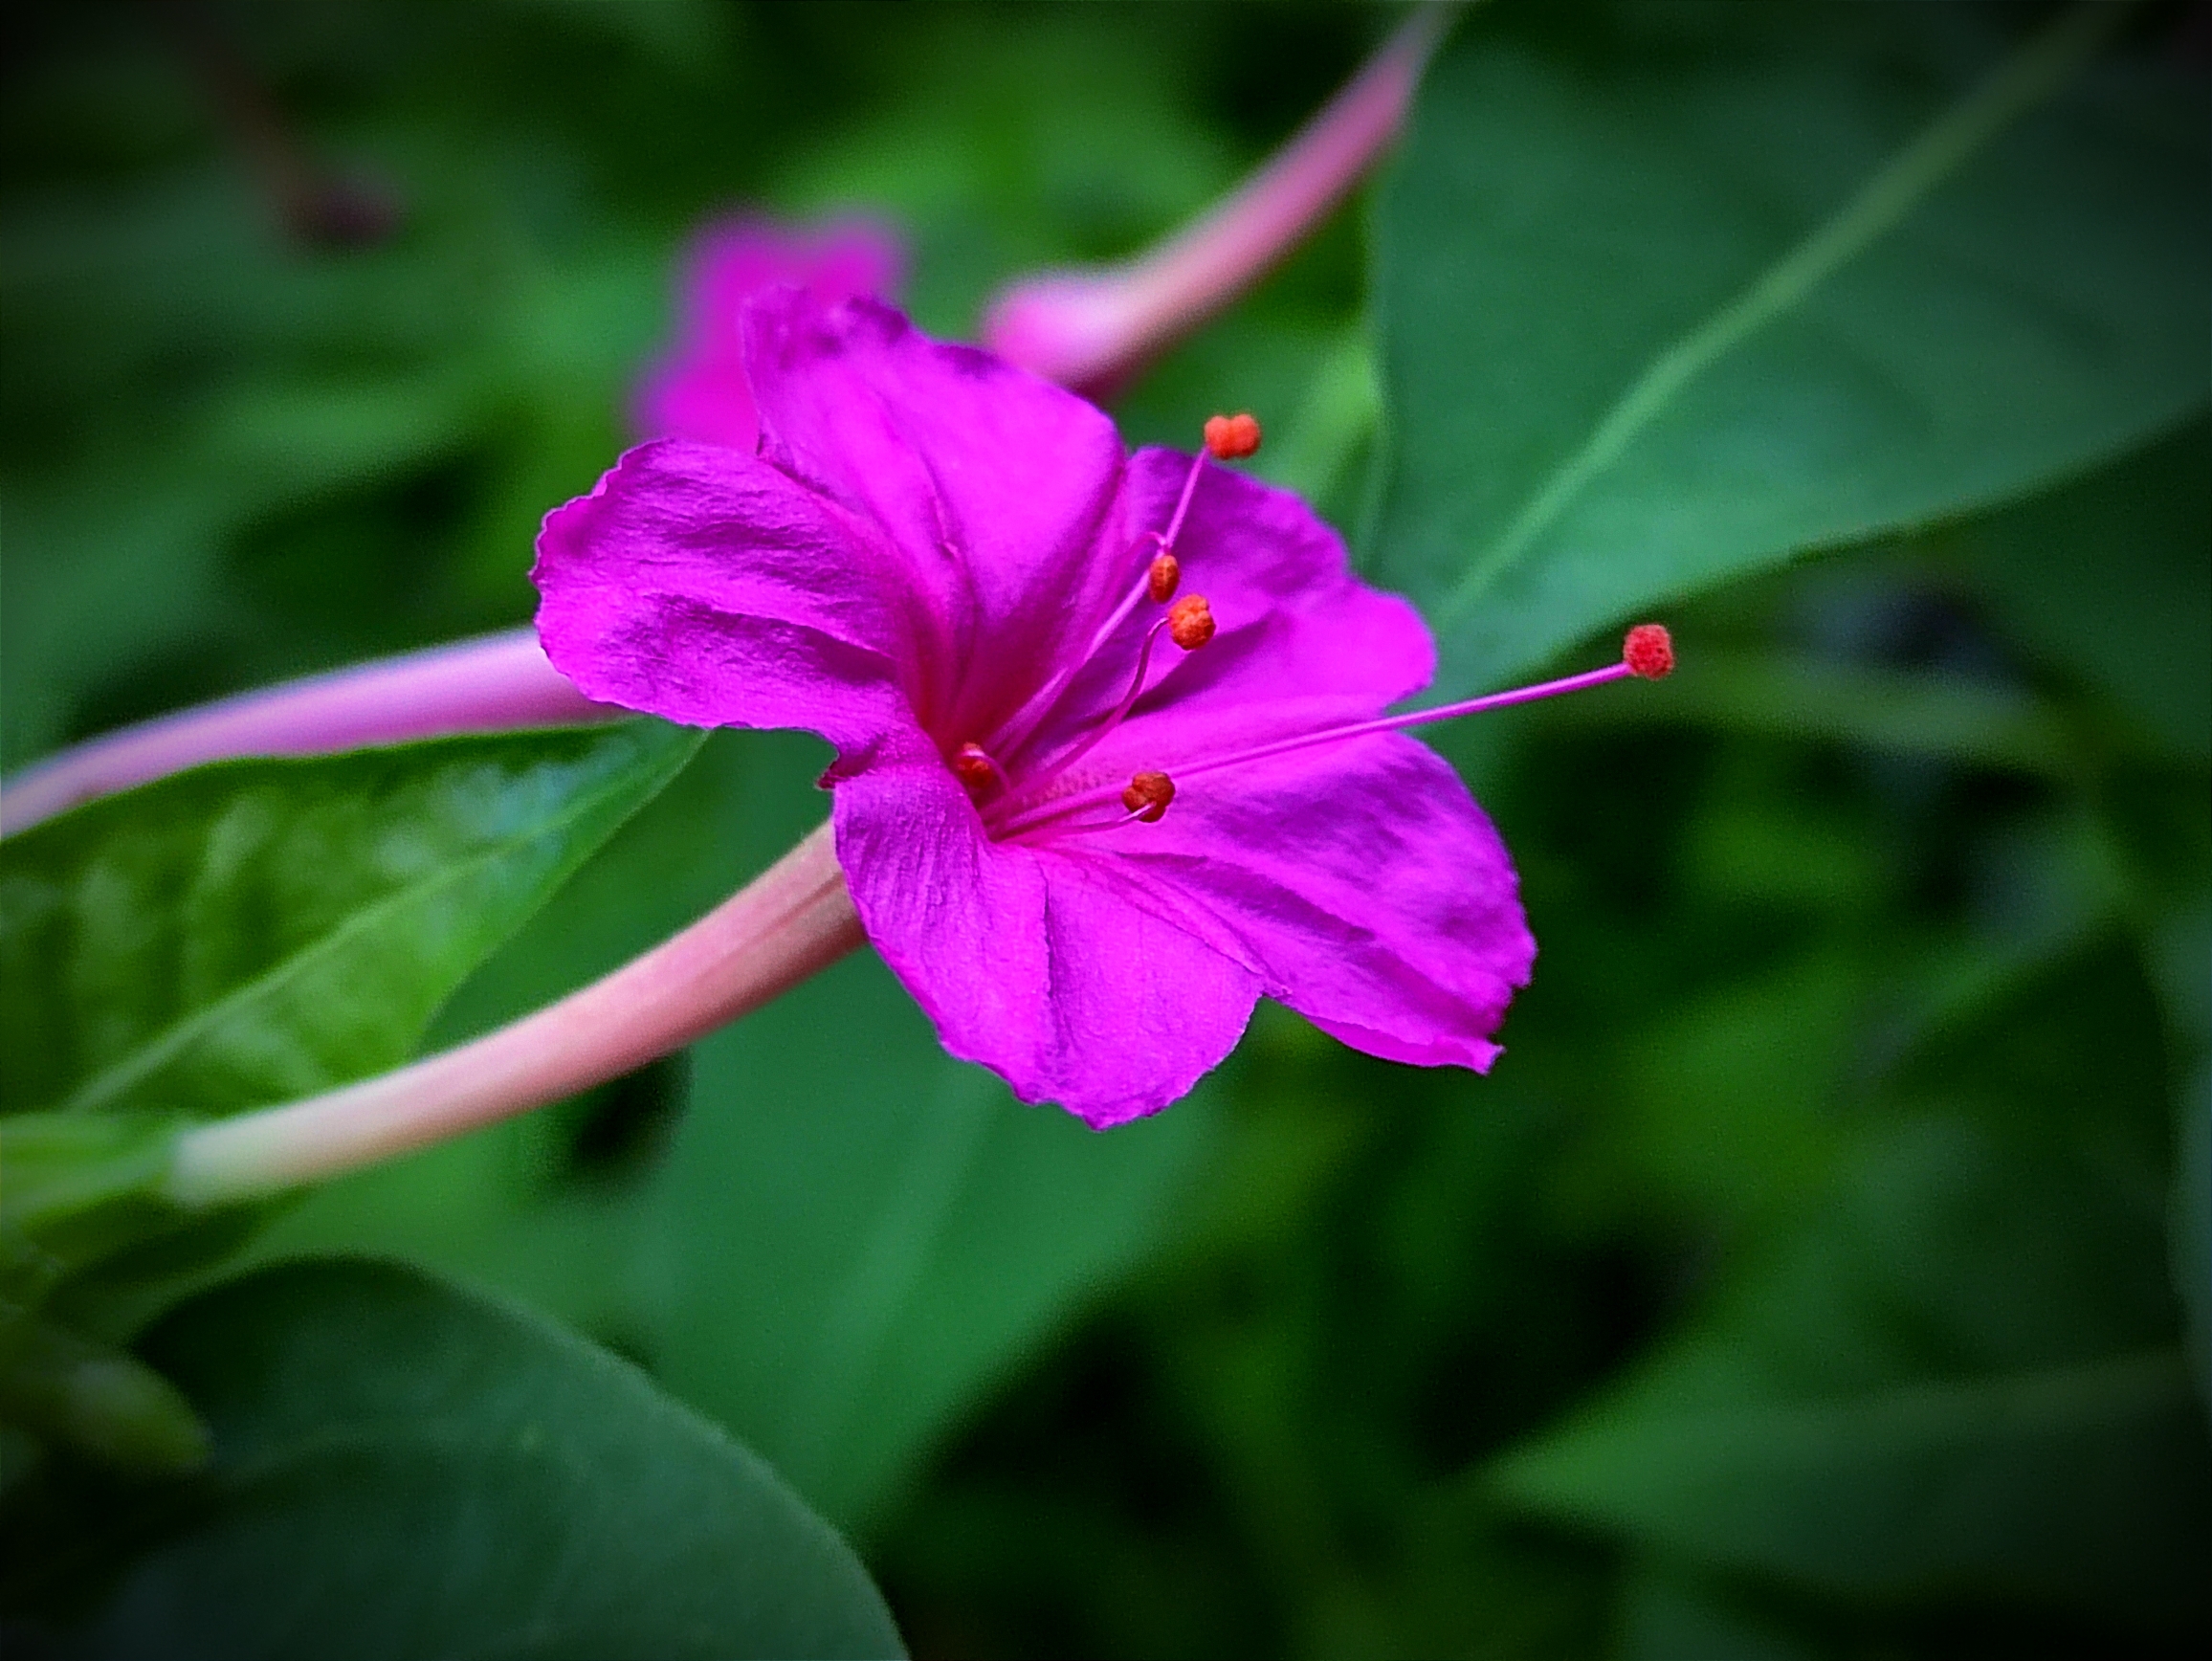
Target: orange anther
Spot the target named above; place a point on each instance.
(1649, 651)
(1190, 622)
(1149, 796)
(973, 767)
(1231, 437)
(1161, 580)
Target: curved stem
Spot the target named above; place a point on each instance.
(794, 918)
(497, 680)
(1090, 328)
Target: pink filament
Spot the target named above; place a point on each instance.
(1045, 813)
(1024, 721)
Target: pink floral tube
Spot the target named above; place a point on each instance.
(497, 680)
(1090, 329)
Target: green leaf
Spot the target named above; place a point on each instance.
(1668, 296)
(1668, 1617)
(402, 1470)
(864, 1235)
(850, 1236)
(261, 930)
(1957, 1377)
(93, 1397)
(2108, 580)
(77, 1188)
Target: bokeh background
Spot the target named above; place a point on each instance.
(1802, 1282)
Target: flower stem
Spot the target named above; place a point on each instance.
(496, 680)
(1089, 329)
(794, 918)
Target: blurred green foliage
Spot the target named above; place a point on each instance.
(1802, 1282)
(357, 1403)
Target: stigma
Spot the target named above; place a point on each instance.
(1649, 651)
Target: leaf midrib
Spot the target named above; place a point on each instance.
(2030, 74)
(105, 1085)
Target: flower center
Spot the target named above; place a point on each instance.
(1189, 621)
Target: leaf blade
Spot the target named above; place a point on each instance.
(1652, 317)
(260, 930)
(405, 1469)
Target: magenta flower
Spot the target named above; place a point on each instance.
(699, 390)
(951, 572)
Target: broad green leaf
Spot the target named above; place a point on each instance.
(2108, 579)
(402, 1470)
(512, 1206)
(1670, 294)
(59, 1384)
(1957, 1377)
(260, 930)
(863, 1234)
(852, 1237)
(1667, 1617)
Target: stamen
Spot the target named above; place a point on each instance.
(1232, 438)
(1159, 585)
(1082, 827)
(1161, 580)
(1190, 622)
(1649, 651)
(973, 767)
(1105, 728)
(1654, 651)
(1015, 731)
(1148, 795)
(1182, 503)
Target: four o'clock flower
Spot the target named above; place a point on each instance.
(1111, 757)
(1086, 849)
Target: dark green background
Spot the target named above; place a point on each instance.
(1802, 1282)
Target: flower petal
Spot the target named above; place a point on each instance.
(1257, 552)
(998, 490)
(1362, 882)
(1043, 965)
(699, 585)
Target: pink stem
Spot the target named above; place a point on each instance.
(1089, 329)
(497, 680)
(794, 918)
